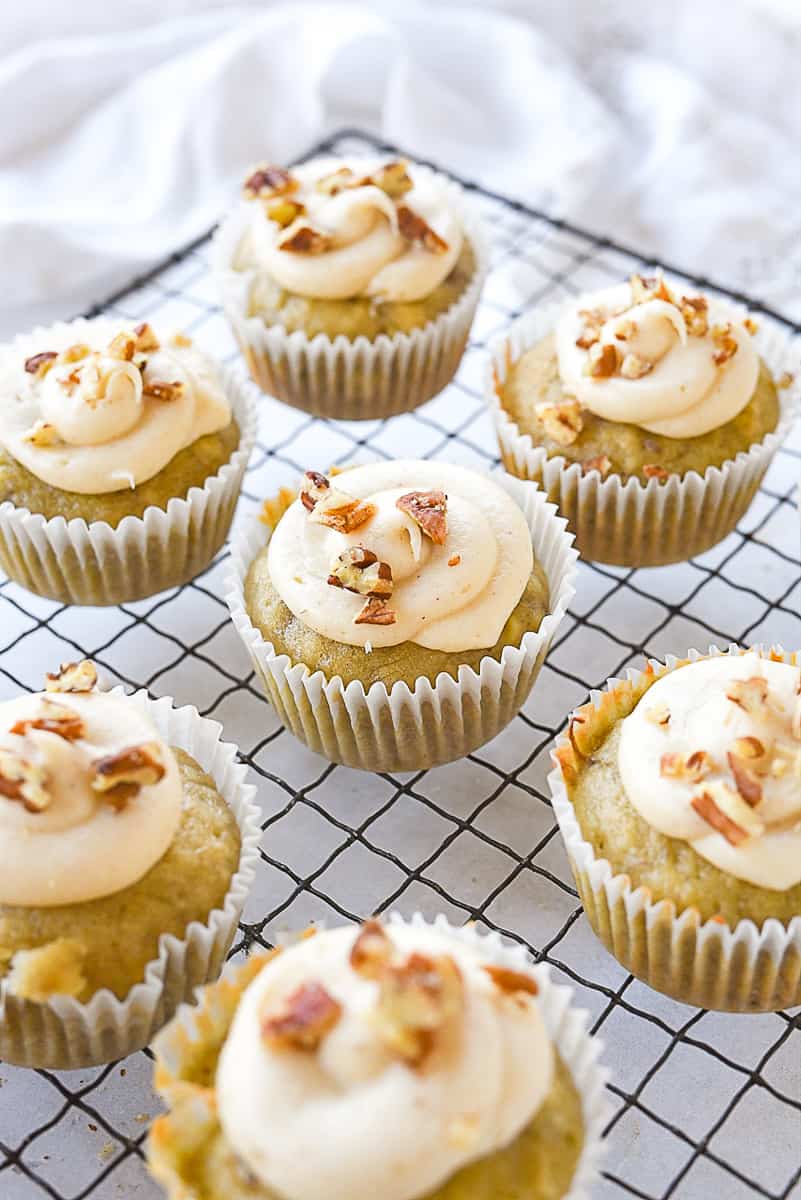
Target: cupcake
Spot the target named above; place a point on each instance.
(351, 284)
(678, 794)
(402, 1060)
(127, 842)
(121, 459)
(399, 615)
(647, 412)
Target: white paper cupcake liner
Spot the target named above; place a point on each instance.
(63, 1033)
(195, 1026)
(76, 562)
(404, 729)
(338, 377)
(709, 964)
(633, 524)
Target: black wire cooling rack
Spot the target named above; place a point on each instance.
(706, 1106)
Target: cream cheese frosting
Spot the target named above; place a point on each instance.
(453, 594)
(68, 832)
(654, 355)
(712, 755)
(100, 407)
(352, 1113)
(328, 232)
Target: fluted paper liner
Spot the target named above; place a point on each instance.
(77, 562)
(181, 1047)
(404, 729)
(710, 964)
(63, 1033)
(633, 524)
(359, 378)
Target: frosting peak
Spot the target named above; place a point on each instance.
(712, 754)
(403, 551)
(646, 354)
(378, 1063)
(335, 229)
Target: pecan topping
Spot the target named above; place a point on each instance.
(336, 509)
(123, 346)
(358, 570)
(40, 364)
(634, 367)
(179, 339)
(393, 178)
(22, 780)
(376, 612)
(694, 311)
(146, 339)
(751, 325)
(372, 951)
(725, 342)
(308, 1015)
(73, 677)
(601, 361)
(428, 510)
(658, 714)
(454, 560)
(160, 389)
(42, 433)
(745, 780)
(651, 288)
(268, 181)
(751, 695)
(120, 776)
(562, 422)
(75, 353)
(510, 981)
(55, 718)
(588, 337)
(306, 240)
(415, 229)
(626, 330)
(313, 488)
(654, 471)
(785, 381)
(692, 767)
(285, 211)
(722, 808)
(419, 1000)
(335, 182)
(600, 463)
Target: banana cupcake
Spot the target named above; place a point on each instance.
(124, 864)
(398, 616)
(121, 458)
(648, 412)
(678, 793)
(401, 1060)
(351, 284)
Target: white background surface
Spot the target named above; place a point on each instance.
(127, 123)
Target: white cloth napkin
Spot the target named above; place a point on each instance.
(674, 128)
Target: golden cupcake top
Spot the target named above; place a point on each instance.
(335, 229)
(90, 794)
(712, 755)
(402, 551)
(378, 1062)
(100, 406)
(652, 354)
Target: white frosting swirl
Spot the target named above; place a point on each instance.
(702, 717)
(79, 847)
(369, 256)
(686, 393)
(108, 432)
(456, 607)
(352, 1122)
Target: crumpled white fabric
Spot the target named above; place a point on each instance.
(673, 128)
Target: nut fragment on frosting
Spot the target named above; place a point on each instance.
(424, 1055)
(336, 229)
(72, 677)
(418, 519)
(710, 755)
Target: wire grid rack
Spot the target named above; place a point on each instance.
(705, 1105)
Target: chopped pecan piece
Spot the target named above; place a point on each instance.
(420, 1000)
(314, 487)
(180, 339)
(785, 381)
(588, 337)
(120, 776)
(751, 695)
(654, 471)
(745, 780)
(161, 389)
(429, 510)
(40, 364)
(75, 353)
(509, 981)
(146, 339)
(650, 288)
(42, 433)
(340, 511)
(658, 714)
(415, 229)
(376, 612)
(599, 463)
(309, 1013)
(123, 346)
(335, 182)
(284, 212)
(54, 718)
(454, 560)
(372, 951)
(306, 240)
(626, 330)
(562, 422)
(694, 311)
(267, 181)
(726, 344)
(601, 361)
(358, 570)
(634, 367)
(393, 178)
(750, 748)
(751, 326)
(690, 767)
(23, 780)
(73, 677)
(722, 808)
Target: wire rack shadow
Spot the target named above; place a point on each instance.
(705, 1104)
